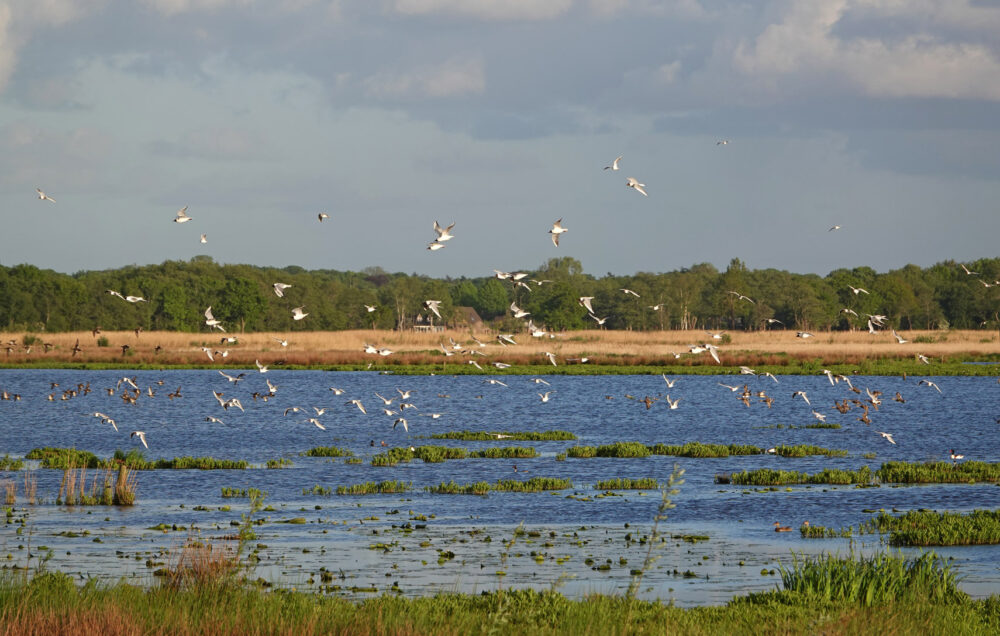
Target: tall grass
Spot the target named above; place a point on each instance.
(698, 449)
(327, 451)
(451, 488)
(10, 463)
(939, 472)
(535, 484)
(771, 477)
(506, 452)
(930, 528)
(624, 483)
(373, 488)
(520, 436)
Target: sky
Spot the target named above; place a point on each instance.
(880, 116)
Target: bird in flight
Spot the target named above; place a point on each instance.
(211, 321)
(628, 292)
(614, 164)
(142, 437)
(722, 142)
(279, 289)
(585, 303)
(740, 296)
(898, 337)
(435, 246)
(803, 334)
(803, 395)
(835, 227)
(313, 420)
(44, 197)
(635, 185)
(887, 436)
(556, 230)
(930, 384)
(432, 305)
(204, 238)
(966, 270)
(182, 216)
(298, 314)
(444, 233)
(518, 312)
(136, 299)
(857, 290)
(322, 215)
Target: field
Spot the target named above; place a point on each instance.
(615, 348)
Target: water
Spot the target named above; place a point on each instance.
(569, 532)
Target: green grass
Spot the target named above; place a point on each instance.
(698, 449)
(535, 484)
(831, 596)
(373, 488)
(938, 472)
(520, 436)
(327, 451)
(619, 483)
(232, 493)
(930, 528)
(771, 477)
(803, 450)
(281, 462)
(11, 463)
(451, 488)
(65, 457)
(506, 452)
(52, 457)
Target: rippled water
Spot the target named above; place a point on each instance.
(565, 531)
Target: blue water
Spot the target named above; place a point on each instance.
(739, 521)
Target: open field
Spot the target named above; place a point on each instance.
(617, 348)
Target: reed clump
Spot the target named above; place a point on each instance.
(53, 457)
(375, 488)
(201, 566)
(451, 488)
(624, 483)
(772, 477)
(581, 451)
(535, 484)
(939, 472)
(698, 449)
(233, 493)
(506, 452)
(392, 457)
(520, 436)
(804, 450)
(11, 463)
(438, 454)
(327, 451)
(9, 489)
(930, 528)
(109, 487)
(623, 449)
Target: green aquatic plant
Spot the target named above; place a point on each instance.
(229, 493)
(373, 488)
(506, 452)
(619, 483)
(327, 451)
(281, 462)
(451, 488)
(772, 477)
(10, 463)
(938, 472)
(930, 528)
(535, 484)
(521, 436)
(53, 457)
(698, 449)
(804, 450)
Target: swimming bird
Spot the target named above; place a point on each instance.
(279, 289)
(635, 185)
(614, 164)
(444, 233)
(322, 216)
(298, 314)
(556, 230)
(182, 216)
(142, 437)
(44, 197)
(887, 436)
(780, 528)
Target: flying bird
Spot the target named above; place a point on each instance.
(322, 215)
(279, 289)
(142, 437)
(558, 229)
(44, 197)
(261, 367)
(204, 238)
(298, 314)
(857, 290)
(887, 436)
(432, 305)
(966, 270)
(313, 420)
(182, 216)
(585, 303)
(444, 233)
(638, 187)
(435, 246)
(835, 227)
(614, 164)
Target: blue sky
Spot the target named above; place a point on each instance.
(880, 116)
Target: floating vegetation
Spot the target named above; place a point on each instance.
(535, 484)
(939, 472)
(771, 477)
(809, 531)
(581, 451)
(317, 490)
(373, 488)
(65, 457)
(803, 450)
(623, 449)
(522, 436)
(698, 449)
(820, 425)
(10, 463)
(243, 492)
(438, 454)
(930, 528)
(451, 488)
(282, 462)
(327, 451)
(619, 483)
(392, 457)
(506, 452)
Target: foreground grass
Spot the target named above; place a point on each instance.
(884, 594)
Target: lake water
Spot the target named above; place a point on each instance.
(365, 541)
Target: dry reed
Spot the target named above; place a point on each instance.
(200, 564)
(9, 487)
(30, 486)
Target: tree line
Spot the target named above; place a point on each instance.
(698, 297)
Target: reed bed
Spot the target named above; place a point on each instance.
(451, 488)
(375, 488)
(939, 472)
(241, 493)
(11, 463)
(327, 451)
(52, 457)
(624, 483)
(804, 450)
(9, 489)
(506, 452)
(65, 457)
(698, 449)
(930, 528)
(311, 348)
(109, 487)
(202, 566)
(518, 436)
(535, 484)
(30, 486)
(771, 477)
(875, 581)
(809, 531)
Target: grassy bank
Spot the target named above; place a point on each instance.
(882, 594)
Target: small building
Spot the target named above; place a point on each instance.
(466, 318)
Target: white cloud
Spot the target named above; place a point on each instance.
(804, 45)
(486, 9)
(453, 78)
